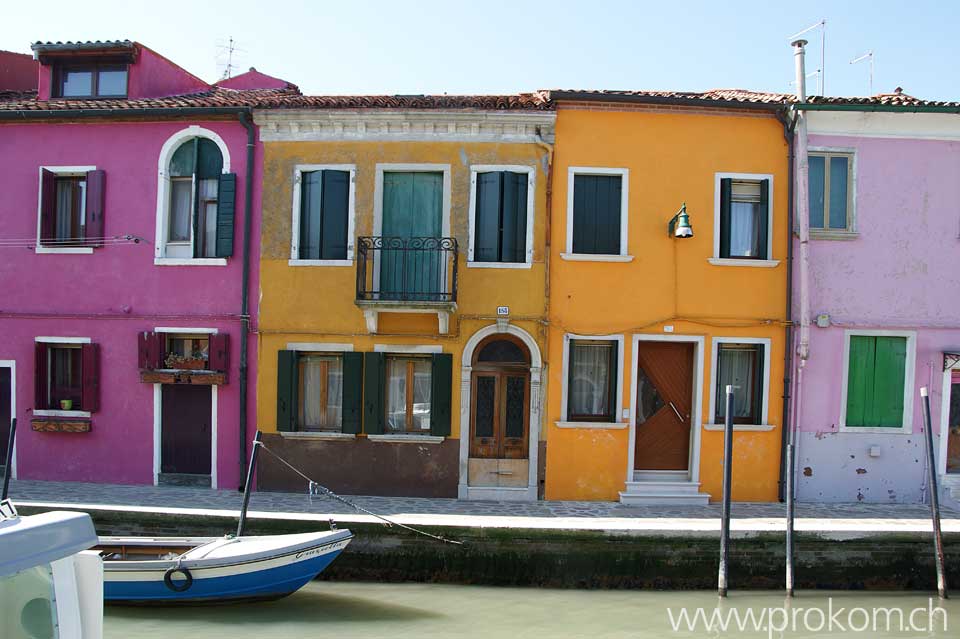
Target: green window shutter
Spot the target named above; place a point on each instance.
(513, 224)
(335, 194)
(817, 184)
(584, 219)
(352, 392)
(440, 394)
(287, 387)
(310, 226)
(763, 223)
(596, 214)
(838, 192)
(888, 379)
(486, 239)
(758, 384)
(226, 212)
(612, 390)
(373, 392)
(860, 385)
(726, 196)
(209, 159)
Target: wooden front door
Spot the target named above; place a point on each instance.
(185, 417)
(663, 410)
(6, 414)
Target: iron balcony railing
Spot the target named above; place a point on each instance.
(407, 269)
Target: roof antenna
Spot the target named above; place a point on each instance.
(230, 51)
(866, 56)
(821, 72)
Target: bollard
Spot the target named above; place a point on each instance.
(934, 495)
(725, 509)
(247, 485)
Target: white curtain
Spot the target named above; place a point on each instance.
(64, 221)
(208, 196)
(317, 372)
(397, 380)
(181, 216)
(744, 230)
(736, 367)
(590, 378)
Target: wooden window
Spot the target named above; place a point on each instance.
(324, 215)
(409, 383)
(876, 373)
(500, 225)
(67, 377)
(740, 365)
(71, 208)
(592, 380)
(831, 195)
(744, 218)
(597, 204)
(97, 80)
(202, 203)
(319, 392)
(187, 352)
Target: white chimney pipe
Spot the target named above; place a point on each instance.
(802, 203)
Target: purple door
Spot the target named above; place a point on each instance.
(185, 429)
(6, 398)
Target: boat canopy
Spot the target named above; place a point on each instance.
(36, 540)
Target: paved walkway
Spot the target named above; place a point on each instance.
(838, 518)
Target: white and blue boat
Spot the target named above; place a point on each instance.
(174, 570)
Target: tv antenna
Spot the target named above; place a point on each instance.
(866, 56)
(822, 25)
(228, 54)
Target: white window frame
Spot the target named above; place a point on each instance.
(716, 260)
(531, 172)
(944, 433)
(764, 382)
(12, 365)
(164, 191)
(298, 172)
(850, 232)
(564, 390)
(623, 255)
(407, 349)
(60, 171)
(908, 382)
(46, 339)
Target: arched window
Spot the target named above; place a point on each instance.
(200, 202)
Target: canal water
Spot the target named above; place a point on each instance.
(361, 610)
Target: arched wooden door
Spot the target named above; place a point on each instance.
(500, 413)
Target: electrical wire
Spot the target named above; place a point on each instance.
(71, 243)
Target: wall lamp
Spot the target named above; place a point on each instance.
(679, 225)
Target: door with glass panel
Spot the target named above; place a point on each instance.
(499, 414)
(664, 400)
(411, 265)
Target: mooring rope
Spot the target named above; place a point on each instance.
(315, 488)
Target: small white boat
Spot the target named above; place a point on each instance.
(51, 586)
(171, 570)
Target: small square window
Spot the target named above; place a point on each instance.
(67, 376)
(592, 380)
(70, 209)
(93, 80)
(187, 352)
(831, 195)
(596, 216)
(744, 219)
(409, 385)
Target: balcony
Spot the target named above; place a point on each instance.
(407, 275)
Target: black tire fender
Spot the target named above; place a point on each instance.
(168, 579)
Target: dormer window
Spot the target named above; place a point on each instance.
(91, 80)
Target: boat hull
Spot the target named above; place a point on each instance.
(270, 577)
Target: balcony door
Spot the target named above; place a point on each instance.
(411, 265)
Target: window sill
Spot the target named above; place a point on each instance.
(319, 262)
(319, 436)
(510, 265)
(589, 257)
(737, 428)
(833, 235)
(76, 414)
(412, 438)
(730, 261)
(595, 425)
(877, 430)
(60, 425)
(189, 261)
(64, 250)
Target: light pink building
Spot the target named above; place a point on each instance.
(885, 300)
(131, 189)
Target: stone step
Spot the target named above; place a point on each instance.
(662, 488)
(665, 499)
(661, 475)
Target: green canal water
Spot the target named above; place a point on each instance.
(361, 610)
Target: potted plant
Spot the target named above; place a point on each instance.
(185, 363)
(66, 404)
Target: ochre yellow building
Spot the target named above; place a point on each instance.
(402, 308)
(644, 326)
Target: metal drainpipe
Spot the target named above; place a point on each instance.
(547, 225)
(788, 329)
(246, 121)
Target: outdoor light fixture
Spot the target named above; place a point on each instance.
(679, 225)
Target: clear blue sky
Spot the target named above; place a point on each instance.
(493, 46)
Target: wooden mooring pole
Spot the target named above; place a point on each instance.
(248, 484)
(8, 462)
(934, 494)
(725, 512)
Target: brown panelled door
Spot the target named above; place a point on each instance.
(185, 445)
(664, 399)
(500, 411)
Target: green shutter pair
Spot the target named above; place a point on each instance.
(364, 390)
(596, 214)
(500, 227)
(875, 379)
(324, 215)
(726, 199)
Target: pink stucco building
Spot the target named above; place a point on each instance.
(131, 189)
(885, 300)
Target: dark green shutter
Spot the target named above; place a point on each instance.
(888, 381)
(596, 214)
(310, 225)
(860, 379)
(335, 196)
(209, 162)
(373, 392)
(226, 212)
(584, 220)
(287, 386)
(440, 394)
(352, 392)
(758, 383)
(487, 218)
(612, 390)
(763, 223)
(726, 196)
(513, 224)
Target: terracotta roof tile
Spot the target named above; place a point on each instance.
(538, 101)
(897, 98)
(216, 97)
(743, 96)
